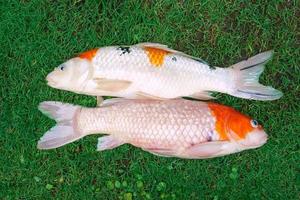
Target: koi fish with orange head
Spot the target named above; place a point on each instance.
(174, 128)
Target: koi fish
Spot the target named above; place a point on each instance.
(151, 70)
(174, 128)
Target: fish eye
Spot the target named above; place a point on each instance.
(254, 123)
(62, 67)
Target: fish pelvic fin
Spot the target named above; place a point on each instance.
(108, 142)
(246, 79)
(65, 130)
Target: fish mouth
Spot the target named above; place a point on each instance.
(256, 139)
(262, 140)
(50, 81)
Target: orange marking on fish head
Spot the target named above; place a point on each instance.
(156, 56)
(88, 54)
(229, 120)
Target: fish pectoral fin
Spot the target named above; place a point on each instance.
(209, 150)
(108, 102)
(161, 152)
(108, 142)
(111, 85)
(203, 95)
(99, 101)
(143, 95)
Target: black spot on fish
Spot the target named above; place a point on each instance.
(124, 50)
(200, 61)
(212, 67)
(174, 59)
(209, 137)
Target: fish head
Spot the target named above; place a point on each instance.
(73, 74)
(243, 131)
(70, 75)
(246, 132)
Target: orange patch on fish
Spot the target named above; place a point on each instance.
(88, 54)
(228, 119)
(156, 56)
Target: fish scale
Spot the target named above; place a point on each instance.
(148, 124)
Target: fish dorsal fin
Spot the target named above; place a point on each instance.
(144, 95)
(166, 48)
(154, 45)
(203, 95)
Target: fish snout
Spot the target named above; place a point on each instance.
(256, 138)
(51, 79)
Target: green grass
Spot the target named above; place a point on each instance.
(36, 36)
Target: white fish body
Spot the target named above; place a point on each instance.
(180, 128)
(150, 70)
(177, 76)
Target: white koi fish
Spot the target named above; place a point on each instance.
(174, 128)
(150, 70)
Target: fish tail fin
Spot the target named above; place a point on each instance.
(65, 130)
(246, 79)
